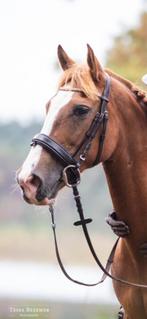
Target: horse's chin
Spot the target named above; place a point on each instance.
(43, 198)
(44, 202)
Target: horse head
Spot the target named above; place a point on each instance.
(69, 114)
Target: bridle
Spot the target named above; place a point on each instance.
(69, 162)
(71, 177)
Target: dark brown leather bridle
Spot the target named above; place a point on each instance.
(71, 176)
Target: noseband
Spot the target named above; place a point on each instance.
(71, 176)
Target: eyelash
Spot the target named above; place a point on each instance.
(80, 110)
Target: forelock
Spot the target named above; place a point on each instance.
(78, 76)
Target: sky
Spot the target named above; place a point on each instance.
(30, 31)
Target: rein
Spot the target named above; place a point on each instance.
(71, 177)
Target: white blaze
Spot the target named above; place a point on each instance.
(57, 102)
(30, 163)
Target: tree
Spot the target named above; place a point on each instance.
(128, 56)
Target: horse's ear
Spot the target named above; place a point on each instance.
(65, 61)
(96, 69)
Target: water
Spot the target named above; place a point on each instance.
(34, 281)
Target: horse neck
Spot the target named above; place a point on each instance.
(126, 172)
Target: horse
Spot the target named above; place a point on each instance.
(69, 114)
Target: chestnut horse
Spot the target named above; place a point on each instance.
(68, 116)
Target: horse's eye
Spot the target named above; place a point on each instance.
(80, 110)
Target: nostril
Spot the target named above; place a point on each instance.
(36, 181)
(39, 184)
(32, 180)
(32, 187)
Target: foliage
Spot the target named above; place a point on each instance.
(128, 55)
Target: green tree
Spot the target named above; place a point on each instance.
(128, 55)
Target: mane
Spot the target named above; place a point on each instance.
(78, 76)
(140, 95)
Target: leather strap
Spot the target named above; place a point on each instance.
(100, 119)
(55, 149)
(110, 260)
(83, 224)
(103, 110)
(106, 269)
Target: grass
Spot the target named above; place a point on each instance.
(49, 310)
(36, 244)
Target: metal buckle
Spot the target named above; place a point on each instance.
(33, 143)
(66, 177)
(82, 157)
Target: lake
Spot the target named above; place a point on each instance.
(30, 280)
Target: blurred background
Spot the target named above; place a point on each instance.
(31, 283)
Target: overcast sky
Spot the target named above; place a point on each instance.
(30, 31)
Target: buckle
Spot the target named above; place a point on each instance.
(71, 176)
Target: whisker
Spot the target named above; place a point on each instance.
(13, 188)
